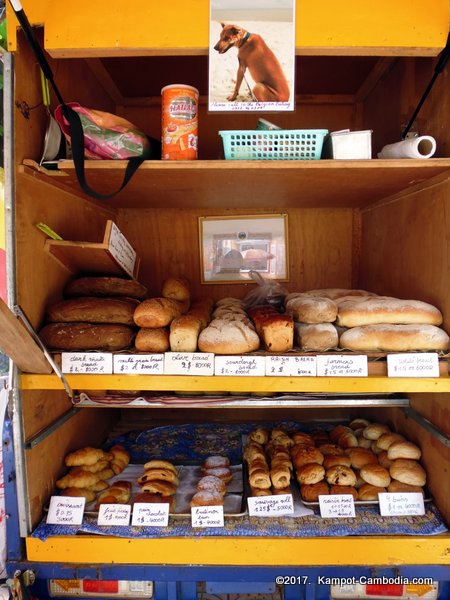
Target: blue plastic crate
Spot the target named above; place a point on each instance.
(283, 144)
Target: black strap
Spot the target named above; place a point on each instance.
(77, 141)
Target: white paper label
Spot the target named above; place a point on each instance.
(207, 516)
(94, 363)
(270, 506)
(413, 364)
(401, 503)
(342, 365)
(65, 510)
(122, 250)
(240, 365)
(189, 363)
(337, 505)
(114, 514)
(139, 364)
(291, 366)
(146, 514)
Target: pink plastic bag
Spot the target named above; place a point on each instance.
(106, 136)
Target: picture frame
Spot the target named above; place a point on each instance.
(231, 247)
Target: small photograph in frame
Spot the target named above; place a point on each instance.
(252, 55)
(231, 247)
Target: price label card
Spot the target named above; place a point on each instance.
(94, 363)
(114, 514)
(188, 363)
(240, 365)
(413, 364)
(121, 249)
(336, 506)
(270, 506)
(291, 366)
(207, 516)
(146, 514)
(401, 503)
(65, 510)
(342, 365)
(139, 364)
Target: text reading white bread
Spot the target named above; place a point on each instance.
(383, 309)
(395, 338)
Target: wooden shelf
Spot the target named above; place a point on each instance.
(251, 184)
(180, 383)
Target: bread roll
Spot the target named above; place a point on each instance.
(310, 473)
(358, 423)
(216, 462)
(277, 332)
(387, 439)
(397, 486)
(223, 473)
(280, 476)
(316, 337)
(384, 460)
(156, 486)
(387, 310)
(93, 310)
(404, 449)
(340, 475)
(375, 475)
(344, 489)
(184, 332)
(347, 440)
(156, 312)
(329, 448)
(87, 456)
(408, 471)
(105, 286)
(211, 483)
(337, 431)
(311, 493)
(152, 340)
(259, 435)
(395, 338)
(303, 456)
(312, 309)
(331, 460)
(254, 492)
(375, 430)
(260, 478)
(370, 492)
(361, 456)
(228, 337)
(176, 288)
(157, 463)
(159, 475)
(299, 437)
(86, 336)
(253, 450)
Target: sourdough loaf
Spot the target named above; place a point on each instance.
(228, 337)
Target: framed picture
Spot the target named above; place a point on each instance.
(252, 55)
(231, 247)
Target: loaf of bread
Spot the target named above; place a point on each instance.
(184, 332)
(93, 310)
(228, 337)
(156, 312)
(408, 471)
(375, 475)
(316, 337)
(277, 332)
(387, 310)
(105, 286)
(312, 309)
(395, 338)
(152, 340)
(404, 449)
(87, 336)
(176, 288)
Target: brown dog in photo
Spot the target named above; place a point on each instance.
(254, 54)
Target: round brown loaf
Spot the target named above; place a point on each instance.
(303, 456)
(152, 340)
(312, 309)
(404, 449)
(105, 286)
(310, 473)
(347, 440)
(394, 338)
(337, 431)
(375, 475)
(93, 310)
(408, 471)
(370, 492)
(387, 310)
(176, 288)
(316, 337)
(311, 492)
(86, 336)
(156, 312)
(207, 498)
(228, 337)
(328, 448)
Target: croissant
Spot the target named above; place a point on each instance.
(96, 467)
(77, 478)
(121, 458)
(86, 456)
(259, 435)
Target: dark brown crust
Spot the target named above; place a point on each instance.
(105, 286)
(86, 336)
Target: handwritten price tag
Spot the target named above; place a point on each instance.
(121, 249)
(240, 365)
(150, 515)
(188, 363)
(65, 510)
(94, 363)
(207, 516)
(139, 364)
(114, 514)
(342, 365)
(401, 503)
(337, 505)
(413, 364)
(270, 506)
(291, 366)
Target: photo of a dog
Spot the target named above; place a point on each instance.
(252, 53)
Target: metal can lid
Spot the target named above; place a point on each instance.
(180, 86)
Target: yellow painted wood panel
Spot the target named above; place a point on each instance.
(107, 27)
(372, 551)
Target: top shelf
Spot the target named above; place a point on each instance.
(251, 184)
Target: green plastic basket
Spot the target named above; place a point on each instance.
(283, 144)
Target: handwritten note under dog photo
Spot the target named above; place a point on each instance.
(252, 55)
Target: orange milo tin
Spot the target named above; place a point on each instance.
(179, 122)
